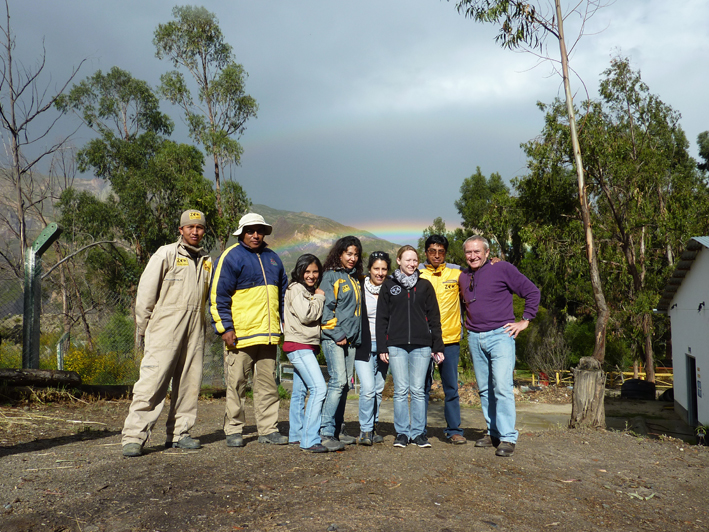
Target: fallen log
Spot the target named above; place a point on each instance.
(39, 377)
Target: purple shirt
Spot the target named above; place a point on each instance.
(488, 299)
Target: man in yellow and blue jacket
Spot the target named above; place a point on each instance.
(246, 305)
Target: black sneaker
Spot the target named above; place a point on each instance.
(421, 440)
(401, 440)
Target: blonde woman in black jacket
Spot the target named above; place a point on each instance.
(408, 331)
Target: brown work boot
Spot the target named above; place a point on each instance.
(505, 449)
(487, 441)
(457, 439)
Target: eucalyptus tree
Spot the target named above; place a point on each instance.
(527, 25)
(646, 194)
(193, 41)
(153, 179)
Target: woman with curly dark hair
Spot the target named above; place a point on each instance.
(341, 333)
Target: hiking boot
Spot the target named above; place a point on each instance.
(346, 438)
(132, 449)
(365, 438)
(317, 448)
(276, 438)
(422, 441)
(487, 441)
(376, 438)
(331, 444)
(401, 440)
(505, 449)
(234, 440)
(186, 442)
(457, 439)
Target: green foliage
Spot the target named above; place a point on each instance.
(703, 143)
(10, 354)
(487, 208)
(517, 19)
(641, 184)
(117, 335)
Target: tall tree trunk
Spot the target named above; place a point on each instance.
(602, 312)
(649, 355)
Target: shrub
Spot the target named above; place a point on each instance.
(102, 368)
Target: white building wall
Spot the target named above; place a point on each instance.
(690, 335)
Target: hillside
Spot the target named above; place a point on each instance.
(295, 233)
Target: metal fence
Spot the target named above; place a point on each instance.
(87, 329)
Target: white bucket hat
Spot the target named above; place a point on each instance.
(253, 219)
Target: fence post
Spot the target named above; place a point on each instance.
(33, 295)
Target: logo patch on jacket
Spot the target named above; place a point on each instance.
(207, 264)
(273, 262)
(450, 285)
(395, 290)
(345, 289)
(181, 261)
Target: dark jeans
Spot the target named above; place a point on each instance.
(449, 378)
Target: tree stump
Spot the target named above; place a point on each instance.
(589, 392)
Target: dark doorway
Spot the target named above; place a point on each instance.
(691, 390)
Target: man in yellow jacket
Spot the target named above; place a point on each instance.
(246, 295)
(444, 278)
(169, 314)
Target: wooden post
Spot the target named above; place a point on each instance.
(589, 392)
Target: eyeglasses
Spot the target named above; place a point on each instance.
(471, 286)
(250, 230)
(379, 255)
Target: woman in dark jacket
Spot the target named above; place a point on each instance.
(408, 335)
(371, 370)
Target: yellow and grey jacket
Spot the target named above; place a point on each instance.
(445, 283)
(172, 284)
(341, 317)
(246, 295)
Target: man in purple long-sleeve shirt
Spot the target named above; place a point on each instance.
(489, 318)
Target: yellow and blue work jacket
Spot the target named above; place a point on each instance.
(246, 295)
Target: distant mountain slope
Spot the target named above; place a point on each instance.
(295, 233)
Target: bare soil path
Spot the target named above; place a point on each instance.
(61, 469)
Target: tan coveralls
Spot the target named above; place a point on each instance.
(170, 312)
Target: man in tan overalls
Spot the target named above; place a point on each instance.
(169, 312)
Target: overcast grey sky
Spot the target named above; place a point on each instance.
(373, 112)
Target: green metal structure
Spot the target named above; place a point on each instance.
(33, 295)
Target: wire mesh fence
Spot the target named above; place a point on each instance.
(87, 329)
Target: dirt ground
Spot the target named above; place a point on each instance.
(61, 469)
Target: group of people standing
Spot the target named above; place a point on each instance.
(403, 320)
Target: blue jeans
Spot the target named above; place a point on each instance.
(306, 377)
(493, 354)
(372, 375)
(409, 371)
(340, 367)
(448, 370)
